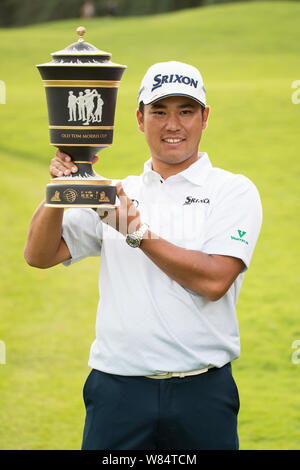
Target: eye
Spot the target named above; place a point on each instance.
(186, 111)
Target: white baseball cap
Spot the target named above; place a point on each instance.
(170, 79)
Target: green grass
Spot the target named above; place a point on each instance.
(249, 57)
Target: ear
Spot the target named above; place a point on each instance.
(205, 117)
(140, 120)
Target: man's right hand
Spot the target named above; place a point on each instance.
(62, 164)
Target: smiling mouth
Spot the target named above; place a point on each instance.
(172, 140)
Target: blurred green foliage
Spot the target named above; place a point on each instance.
(22, 12)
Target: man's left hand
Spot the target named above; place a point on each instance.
(125, 218)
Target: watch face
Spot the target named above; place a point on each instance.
(133, 241)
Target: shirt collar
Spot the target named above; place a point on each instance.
(195, 173)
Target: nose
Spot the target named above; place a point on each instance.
(173, 123)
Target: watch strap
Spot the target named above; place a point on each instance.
(141, 231)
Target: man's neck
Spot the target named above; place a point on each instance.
(166, 170)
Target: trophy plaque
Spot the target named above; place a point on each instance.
(81, 85)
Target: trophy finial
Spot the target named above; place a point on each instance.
(81, 31)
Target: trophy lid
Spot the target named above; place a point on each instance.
(82, 53)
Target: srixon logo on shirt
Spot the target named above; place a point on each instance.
(160, 79)
(194, 200)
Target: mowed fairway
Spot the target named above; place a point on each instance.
(249, 57)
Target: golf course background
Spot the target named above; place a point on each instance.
(248, 54)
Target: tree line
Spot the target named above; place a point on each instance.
(24, 12)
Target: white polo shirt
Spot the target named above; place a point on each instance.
(146, 322)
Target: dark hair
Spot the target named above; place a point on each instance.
(142, 106)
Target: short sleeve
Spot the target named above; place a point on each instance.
(234, 223)
(82, 232)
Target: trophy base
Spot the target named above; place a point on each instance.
(89, 206)
(84, 192)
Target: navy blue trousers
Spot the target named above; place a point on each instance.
(138, 413)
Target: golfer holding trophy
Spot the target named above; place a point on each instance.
(173, 256)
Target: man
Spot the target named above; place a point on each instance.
(81, 106)
(166, 329)
(72, 106)
(98, 110)
(89, 105)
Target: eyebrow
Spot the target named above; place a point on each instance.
(160, 105)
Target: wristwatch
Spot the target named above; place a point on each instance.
(135, 239)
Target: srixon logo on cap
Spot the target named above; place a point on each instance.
(160, 79)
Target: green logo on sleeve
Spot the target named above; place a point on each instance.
(240, 239)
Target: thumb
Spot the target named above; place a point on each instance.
(121, 194)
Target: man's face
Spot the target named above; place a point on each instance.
(173, 127)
